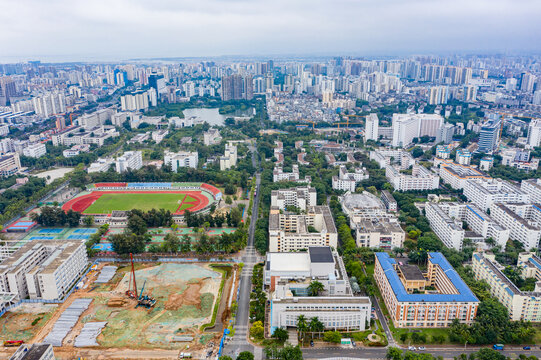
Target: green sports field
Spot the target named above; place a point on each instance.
(144, 201)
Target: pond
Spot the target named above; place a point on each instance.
(213, 116)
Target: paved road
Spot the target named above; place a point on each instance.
(250, 258)
(379, 353)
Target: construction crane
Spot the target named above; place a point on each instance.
(142, 300)
(132, 293)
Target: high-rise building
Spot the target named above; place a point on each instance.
(407, 127)
(248, 88)
(470, 93)
(527, 82)
(232, 87)
(438, 95)
(534, 133)
(371, 127)
(489, 136)
(445, 133)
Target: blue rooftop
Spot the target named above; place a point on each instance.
(464, 292)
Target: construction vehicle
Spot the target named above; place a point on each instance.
(13, 343)
(142, 300)
(145, 300)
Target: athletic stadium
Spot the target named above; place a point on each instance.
(109, 202)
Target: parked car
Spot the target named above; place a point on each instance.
(412, 348)
(312, 343)
(353, 343)
(422, 348)
(526, 348)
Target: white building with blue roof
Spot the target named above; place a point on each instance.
(433, 298)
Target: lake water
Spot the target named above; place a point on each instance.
(213, 116)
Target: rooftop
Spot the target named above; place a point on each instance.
(320, 254)
(288, 261)
(464, 294)
(411, 272)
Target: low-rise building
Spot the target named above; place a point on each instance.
(457, 175)
(76, 150)
(485, 192)
(443, 152)
(449, 230)
(35, 150)
(364, 206)
(212, 137)
(521, 305)
(10, 164)
(486, 163)
(159, 135)
(43, 270)
(463, 157)
(230, 157)
(389, 201)
(130, 160)
(420, 179)
(278, 174)
(294, 232)
(410, 304)
(347, 181)
(384, 233)
(100, 165)
(300, 197)
(181, 159)
(515, 216)
(532, 187)
(34, 352)
(288, 277)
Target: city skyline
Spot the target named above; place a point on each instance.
(121, 30)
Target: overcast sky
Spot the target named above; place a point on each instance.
(122, 29)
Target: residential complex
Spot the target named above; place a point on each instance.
(521, 305)
(300, 197)
(532, 187)
(407, 127)
(384, 233)
(411, 304)
(293, 232)
(389, 201)
(35, 150)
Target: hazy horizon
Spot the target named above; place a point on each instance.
(119, 30)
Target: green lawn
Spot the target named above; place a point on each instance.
(109, 202)
(186, 206)
(189, 199)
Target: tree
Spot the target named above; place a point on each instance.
(417, 152)
(280, 334)
(127, 243)
(228, 200)
(185, 244)
(236, 217)
(332, 336)
(245, 355)
(137, 225)
(172, 243)
(315, 288)
(302, 325)
(257, 331)
(393, 353)
(315, 326)
(225, 357)
(89, 220)
(488, 354)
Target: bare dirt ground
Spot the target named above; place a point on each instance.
(186, 295)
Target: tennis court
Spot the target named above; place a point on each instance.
(85, 231)
(42, 237)
(78, 237)
(50, 231)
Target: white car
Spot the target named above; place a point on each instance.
(422, 348)
(412, 348)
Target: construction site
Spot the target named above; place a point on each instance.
(160, 308)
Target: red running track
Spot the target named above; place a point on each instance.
(81, 203)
